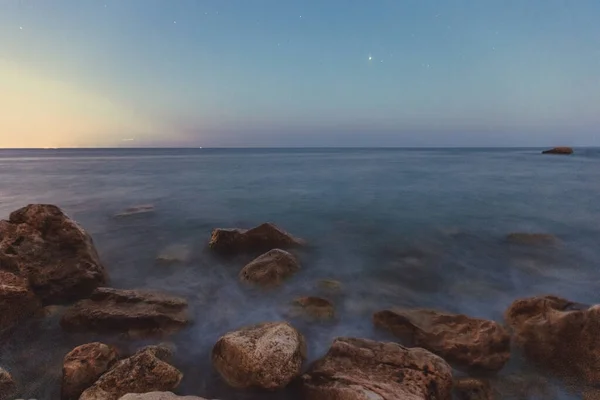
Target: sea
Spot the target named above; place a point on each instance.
(395, 227)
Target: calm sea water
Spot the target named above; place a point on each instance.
(406, 227)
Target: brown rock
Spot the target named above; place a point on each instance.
(559, 335)
(361, 369)
(145, 371)
(469, 343)
(267, 355)
(17, 301)
(58, 258)
(84, 365)
(270, 269)
(472, 389)
(532, 239)
(559, 150)
(7, 385)
(262, 238)
(136, 312)
(313, 307)
(158, 396)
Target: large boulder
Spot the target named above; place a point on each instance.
(7, 385)
(58, 258)
(270, 269)
(134, 312)
(361, 369)
(256, 240)
(17, 300)
(84, 365)
(466, 342)
(145, 371)
(158, 396)
(267, 355)
(559, 150)
(472, 389)
(559, 335)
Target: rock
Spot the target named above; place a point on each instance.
(472, 389)
(532, 239)
(143, 372)
(17, 301)
(127, 311)
(58, 258)
(270, 269)
(315, 308)
(135, 210)
(174, 254)
(361, 369)
(262, 238)
(559, 150)
(330, 286)
(84, 365)
(267, 355)
(559, 335)
(468, 343)
(7, 385)
(158, 396)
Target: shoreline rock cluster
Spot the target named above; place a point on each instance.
(46, 259)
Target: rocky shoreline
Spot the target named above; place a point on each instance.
(47, 260)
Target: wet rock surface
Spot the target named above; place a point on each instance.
(135, 312)
(472, 389)
(267, 356)
(270, 269)
(559, 335)
(361, 369)
(57, 257)
(312, 308)
(466, 342)
(17, 300)
(262, 238)
(84, 365)
(145, 371)
(158, 396)
(7, 385)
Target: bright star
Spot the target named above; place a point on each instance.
(370, 58)
(21, 28)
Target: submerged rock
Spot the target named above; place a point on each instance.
(135, 210)
(330, 286)
(127, 311)
(311, 307)
(468, 343)
(84, 365)
(472, 389)
(17, 300)
(145, 371)
(158, 396)
(58, 258)
(7, 385)
(270, 269)
(174, 254)
(361, 369)
(267, 355)
(559, 150)
(535, 239)
(559, 335)
(262, 238)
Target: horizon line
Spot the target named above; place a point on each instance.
(289, 147)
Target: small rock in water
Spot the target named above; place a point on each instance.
(54, 254)
(469, 343)
(267, 355)
(361, 369)
(7, 385)
(143, 372)
(559, 335)
(158, 396)
(174, 254)
(559, 150)
(17, 300)
(532, 239)
(84, 365)
(121, 311)
(315, 308)
(330, 285)
(135, 210)
(270, 269)
(262, 238)
(472, 389)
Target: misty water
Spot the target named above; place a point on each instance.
(414, 227)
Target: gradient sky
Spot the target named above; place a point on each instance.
(299, 73)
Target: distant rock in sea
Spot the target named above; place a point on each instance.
(135, 210)
(262, 238)
(559, 150)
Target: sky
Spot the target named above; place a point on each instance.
(273, 73)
